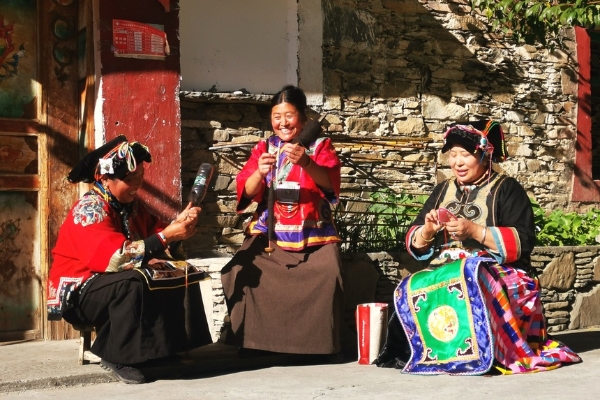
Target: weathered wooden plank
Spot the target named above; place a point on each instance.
(19, 182)
(19, 262)
(33, 334)
(18, 154)
(59, 78)
(19, 125)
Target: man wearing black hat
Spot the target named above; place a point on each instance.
(95, 276)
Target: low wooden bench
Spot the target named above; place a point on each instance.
(85, 342)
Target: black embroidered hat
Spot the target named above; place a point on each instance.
(115, 159)
(484, 135)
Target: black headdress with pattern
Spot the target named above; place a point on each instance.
(484, 135)
(115, 159)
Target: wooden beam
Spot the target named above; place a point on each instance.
(19, 182)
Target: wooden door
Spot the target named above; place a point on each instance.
(22, 151)
(39, 143)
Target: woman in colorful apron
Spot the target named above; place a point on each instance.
(477, 304)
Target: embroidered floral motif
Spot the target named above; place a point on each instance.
(89, 210)
(135, 252)
(58, 295)
(443, 323)
(129, 257)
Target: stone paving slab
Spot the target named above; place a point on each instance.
(40, 364)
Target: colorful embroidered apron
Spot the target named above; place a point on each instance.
(445, 319)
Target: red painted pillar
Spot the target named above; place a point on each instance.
(140, 97)
(585, 188)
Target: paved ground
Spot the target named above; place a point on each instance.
(49, 370)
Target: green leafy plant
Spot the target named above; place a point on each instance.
(559, 228)
(382, 226)
(540, 21)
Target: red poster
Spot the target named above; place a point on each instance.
(136, 40)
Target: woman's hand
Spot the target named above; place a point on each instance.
(265, 162)
(255, 182)
(432, 225)
(462, 229)
(184, 226)
(296, 154)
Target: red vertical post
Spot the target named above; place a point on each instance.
(584, 186)
(140, 98)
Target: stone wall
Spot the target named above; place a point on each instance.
(404, 69)
(396, 73)
(220, 129)
(570, 279)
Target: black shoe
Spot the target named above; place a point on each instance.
(125, 373)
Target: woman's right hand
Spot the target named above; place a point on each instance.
(432, 224)
(255, 182)
(265, 162)
(184, 226)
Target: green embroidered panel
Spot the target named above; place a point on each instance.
(440, 305)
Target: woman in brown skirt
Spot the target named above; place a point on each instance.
(283, 287)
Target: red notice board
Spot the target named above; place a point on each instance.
(136, 40)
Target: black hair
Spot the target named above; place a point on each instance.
(293, 95)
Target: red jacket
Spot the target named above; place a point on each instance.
(92, 240)
(310, 222)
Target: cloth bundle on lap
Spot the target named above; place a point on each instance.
(472, 314)
(168, 274)
(445, 319)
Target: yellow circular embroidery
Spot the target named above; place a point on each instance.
(443, 323)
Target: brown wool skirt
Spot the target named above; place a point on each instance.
(287, 302)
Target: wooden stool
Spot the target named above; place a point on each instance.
(85, 342)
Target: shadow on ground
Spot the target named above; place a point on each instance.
(580, 341)
(219, 359)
